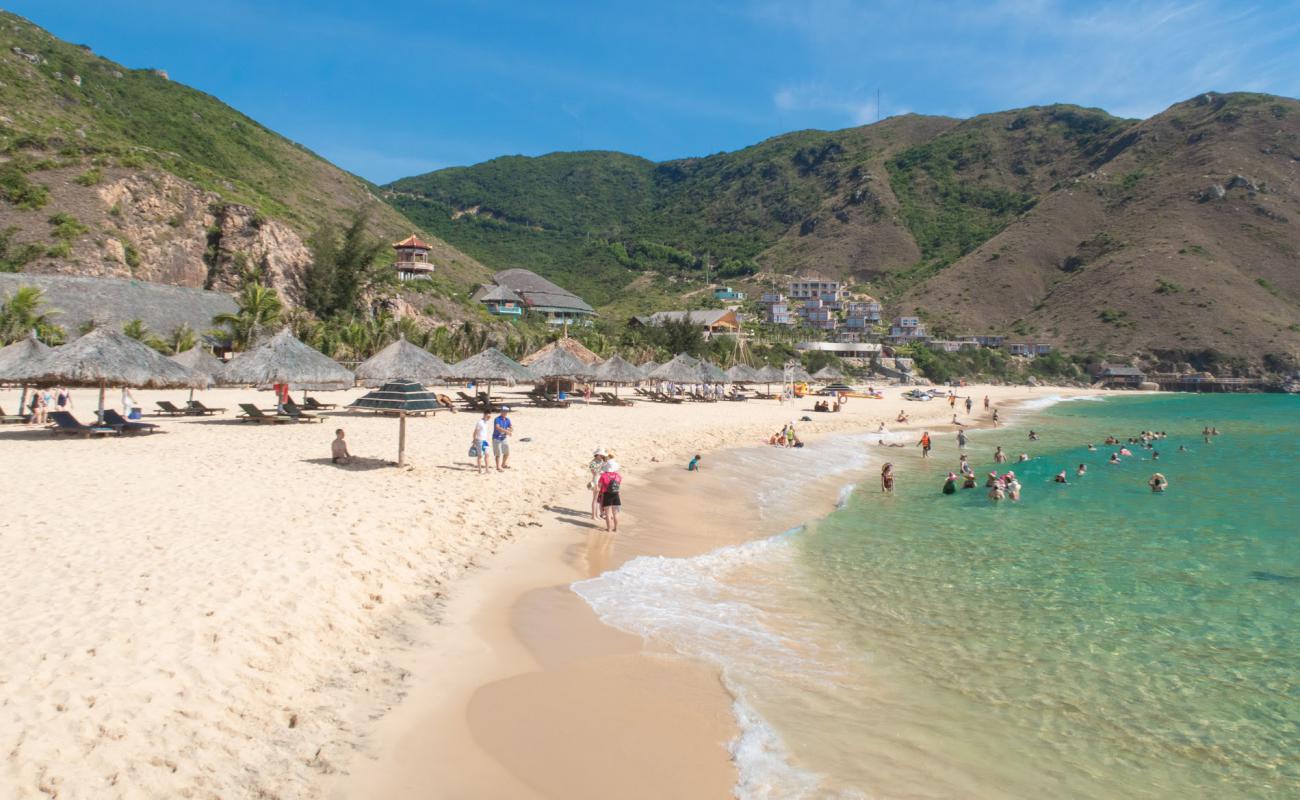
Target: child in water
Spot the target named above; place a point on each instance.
(950, 484)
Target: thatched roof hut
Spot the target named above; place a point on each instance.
(558, 363)
(571, 346)
(647, 368)
(769, 374)
(112, 302)
(492, 366)
(21, 360)
(284, 359)
(800, 374)
(617, 370)
(402, 361)
(828, 374)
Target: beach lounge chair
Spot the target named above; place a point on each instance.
(6, 419)
(312, 404)
(292, 411)
(254, 414)
(115, 420)
(169, 409)
(64, 422)
(471, 403)
(195, 407)
(609, 399)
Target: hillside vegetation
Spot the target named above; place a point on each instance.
(1174, 236)
(106, 170)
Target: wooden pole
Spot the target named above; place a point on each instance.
(401, 438)
(102, 387)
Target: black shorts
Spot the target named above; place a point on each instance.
(607, 500)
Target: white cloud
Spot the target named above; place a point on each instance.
(817, 98)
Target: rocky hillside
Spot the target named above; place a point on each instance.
(1066, 224)
(111, 171)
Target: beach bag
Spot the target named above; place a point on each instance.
(473, 450)
(612, 487)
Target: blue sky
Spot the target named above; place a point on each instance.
(395, 88)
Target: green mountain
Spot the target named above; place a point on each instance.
(153, 179)
(1032, 222)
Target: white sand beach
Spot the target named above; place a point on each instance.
(219, 611)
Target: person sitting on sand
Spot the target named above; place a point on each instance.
(694, 464)
(901, 417)
(955, 422)
(777, 439)
(950, 483)
(887, 478)
(881, 429)
(611, 497)
(1158, 483)
(999, 457)
(339, 449)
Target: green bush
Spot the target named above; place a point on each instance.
(15, 188)
(91, 177)
(66, 227)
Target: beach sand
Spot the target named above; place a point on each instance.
(219, 611)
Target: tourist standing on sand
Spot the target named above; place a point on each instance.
(887, 478)
(969, 403)
(986, 402)
(502, 430)
(611, 499)
(129, 406)
(995, 417)
(924, 444)
(63, 402)
(38, 408)
(482, 435)
(595, 467)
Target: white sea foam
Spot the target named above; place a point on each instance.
(736, 608)
(1040, 403)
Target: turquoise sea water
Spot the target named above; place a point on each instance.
(1094, 640)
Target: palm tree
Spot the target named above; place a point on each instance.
(136, 329)
(259, 310)
(182, 338)
(21, 313)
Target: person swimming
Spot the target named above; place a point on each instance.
(1182, 449)
(996, 492)
(1082, 470)
(887, 478)
(1124, 451)
(1023, 458)
(1013, 487)
(1033, 436)
(1060, 477)
(1158, 483)
(968, 482)
(1092, 448)
(950, 483)
(1114, 458)
(992, 481)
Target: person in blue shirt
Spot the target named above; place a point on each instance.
(694, 466)
(501, 433)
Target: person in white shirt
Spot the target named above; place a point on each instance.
(482, 433)
(129, 404)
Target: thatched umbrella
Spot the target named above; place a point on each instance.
(647, 368)
(682, 369)
(403, 397)
(711, 373)
(828, 374)
(769, 375)
(558, 363)
(284, 359)
(402, 361)
(200, 362)
(106, 358)
(571, 346)
(20, 361)
(491, 366)
(618, 371)
(800, 374)
(742, 373)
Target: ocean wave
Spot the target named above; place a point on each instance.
(731, 608)
(1040, 403)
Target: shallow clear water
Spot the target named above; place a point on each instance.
(1093, 640)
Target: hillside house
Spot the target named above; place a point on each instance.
(906, 330)
(816, 288)
(713, 322)
(1028, 349)
(1117, 376)
(728, 294)
(557, 305)
(859, 353)
(412, 259)
(500, 301)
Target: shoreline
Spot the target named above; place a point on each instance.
(545, 641)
